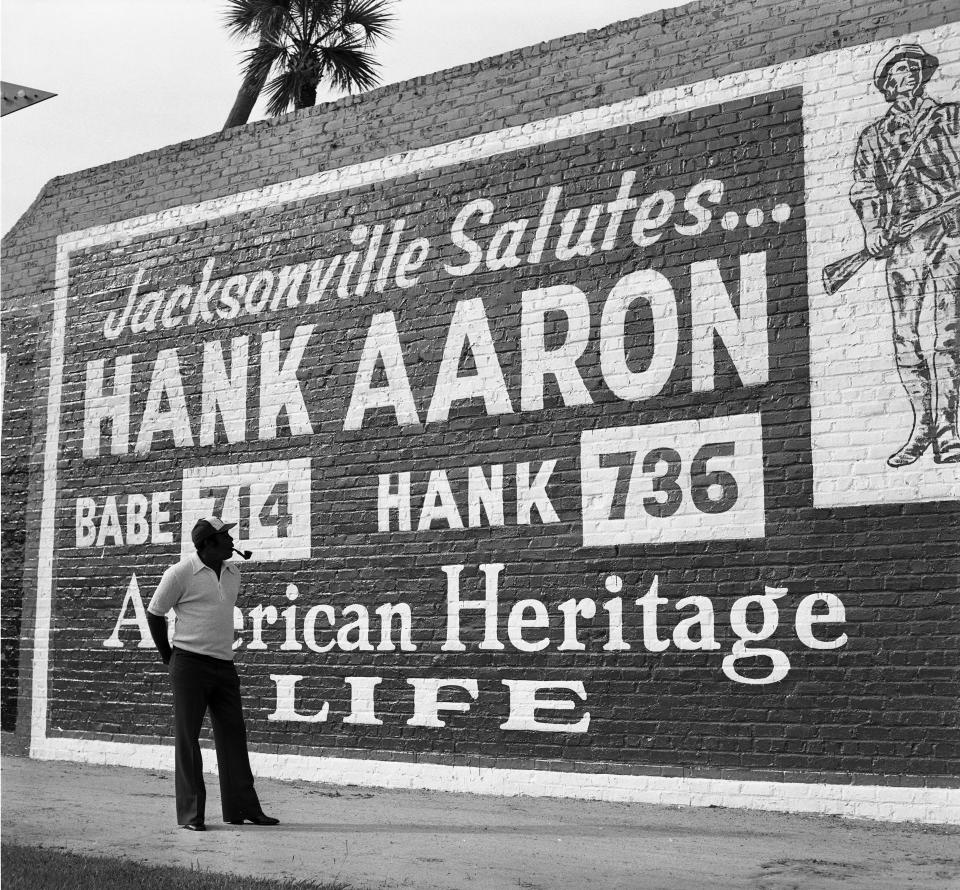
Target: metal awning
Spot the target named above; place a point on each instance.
(17, 96)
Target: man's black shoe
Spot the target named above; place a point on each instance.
(258, 819)
(194, 826)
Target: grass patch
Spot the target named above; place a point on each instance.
(35, 868)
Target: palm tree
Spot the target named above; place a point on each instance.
(305, 42)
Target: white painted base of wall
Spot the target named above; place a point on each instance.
(880, 802)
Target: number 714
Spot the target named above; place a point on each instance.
(275, 512)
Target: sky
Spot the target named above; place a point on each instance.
(135, 75)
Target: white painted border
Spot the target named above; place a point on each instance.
(48, 506)
(865, 801)
(879, 802)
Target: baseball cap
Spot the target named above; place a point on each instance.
(207, 527)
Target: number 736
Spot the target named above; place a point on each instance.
(711, 490)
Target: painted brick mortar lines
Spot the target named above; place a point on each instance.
(845, 721)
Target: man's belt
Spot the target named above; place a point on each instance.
(836, 275)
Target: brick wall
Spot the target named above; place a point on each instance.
(548, 332)
(19, 381)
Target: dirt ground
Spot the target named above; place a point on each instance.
(435, 841)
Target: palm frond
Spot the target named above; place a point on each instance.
(373, 17)
(283, 90)
(247, 18)
(258, 61)
(348, 65)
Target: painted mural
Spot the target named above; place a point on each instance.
(517, 430)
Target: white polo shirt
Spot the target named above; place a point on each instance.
(202, 603)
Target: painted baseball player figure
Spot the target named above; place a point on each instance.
(907, 165)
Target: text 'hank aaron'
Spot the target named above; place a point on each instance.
(593, 333)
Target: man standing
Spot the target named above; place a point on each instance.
(202, 589)
(907, 164)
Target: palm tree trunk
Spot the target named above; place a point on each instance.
(307, 97)
(246, 98)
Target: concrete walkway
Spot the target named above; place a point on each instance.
(434, 841)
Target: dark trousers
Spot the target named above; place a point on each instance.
(199, 683)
